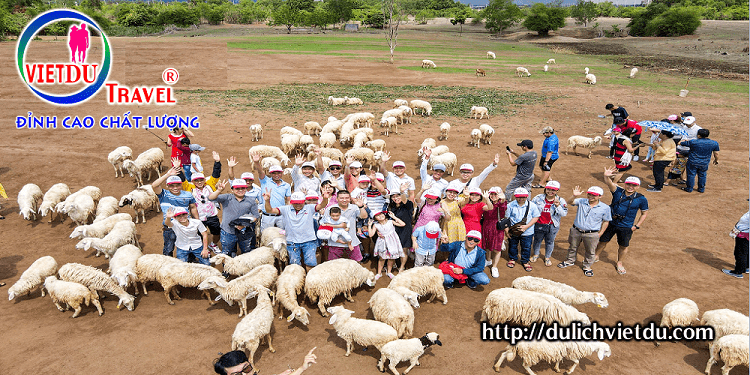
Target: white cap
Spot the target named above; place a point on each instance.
(363, 178)
(399, 163)
(173, 180)
(334, 163)
(633, 180)
(432, 228)
(475, 190)
(308, 164)
(179, 211)
(454, 186)
(247, 175)
(466, 167)
(355, 164)
(496, 190)
(297, 197)
(596, 190)
(275, 168)
(475, 234)
(521, 192)
(197, 176)
(438, 167)
(432, 194)
(238, 183)
(554, 185)
(311, 195)
(379, 176)
(689, 120)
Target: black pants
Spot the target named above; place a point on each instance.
(740, 255)
(636, 138)
(659, 167)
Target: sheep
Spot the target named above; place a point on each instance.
(100, 228)
(410, 350)
(565, 293)
(487, 133)
(360, 119)
(56, 194)
(255, 326)
(406, 113)
(28, 198)
(327, 280)
(122, 233)
(336, 101)
(33, 277)
(237, 289)
(632, 72)
(346, 133)
(73, 295)
(359, 140)
(95, 279)
(327, 140)
(364, 332)
(267, 162)
(275, 238)
(476, 136)
(590, 79)
(423, 281)
(447, 159)
(312, 128)
(290, 143)
(265, 151)
(289, 130)
(107, 207)
(145, 162)
(551, 61)
(188, 275)
(147, 267)
(122, 266)
(681, 312)
(363, 155)
(444, 129)
(94, 192)
(421, 104)
(142, 199)
(390, 124)
(426, 64)
(391, 308)
(526, 307)
(585, 142)
(331, 119)
(479, 111)
(376, 145)
(305, 141)
(257, 132)
(353, 101)
(332, 127)
(546, 68)
(520, 71)
(326, 152)
(733, 350)
(397, 113)
(491, 55)
(480, 72)
(725, 322)
(288, 287)
(533, 352)
(117, 157)
(246, 262)
(586, 70)
(399, 102)
(82, 208)
(427, 143)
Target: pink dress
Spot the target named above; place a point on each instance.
(472, 214)
(491, 237)
(388, 246)
(428, 213)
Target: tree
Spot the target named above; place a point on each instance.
(543, 19)
(374, 19)
(321, 17)
(391, 22)
(641, 18)
(675, 21)
(461, 20)
(342, 10)
(584, 12)
(286, 16)
(500, 15)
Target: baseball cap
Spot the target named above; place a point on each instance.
(374, 213)
(311, 195)
(432, 194)
(363, 178)
(334, 163)
(633, 180)
(526, 143)
(618, 120)
(475, 191)
(475, 234)
(239, 183)
(196, 147)
(432, 230)
(308, 164)
(672, 117)
(275, 168)
(554, 185)
(686, 114)
(453, 186)
(595, 190)
(496, 190)
(355, 164)
(438, 167)
(617, 130)
(180, 211)
(379, 176)
(466, 167)
(247, 175)
(689, 120)
(521, 192)
(173, 180)
(197, 176)
(297, 197)
(399, 163)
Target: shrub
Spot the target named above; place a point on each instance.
(542, 19)
(375, 19)
(138, 14)
(675, 21)
(15, 22)
(179, 15)
(640, 19)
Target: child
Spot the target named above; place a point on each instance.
(184, 146)
(207, 212)
(195, 160)
(425, 239)
(651, 151)
(188, 232)
(389, 245)
(332, 228)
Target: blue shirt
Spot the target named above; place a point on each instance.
(701, 150)
(278, 192)
(299, 226)
(591, 218)
(168, 200)
(627, 207)
(516, 212)
(465, 259)
(551, 144)
(425, 246)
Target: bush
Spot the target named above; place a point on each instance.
(543, 19)
(138, 14)
(675, 21)
(375, 19)
(179, 15)
(584, 12)
(642, 16)
(215, 15)
(15, 22)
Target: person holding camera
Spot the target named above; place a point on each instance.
(592, 219)
(524, 164)
(550, 155)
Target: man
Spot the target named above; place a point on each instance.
(740, 232)
(468, 255)
(173, 196)
(521, 211)
(635, 133)
(305, 181)
(235, 206)
(253, 190)
(333, 173)
(524, 166)
(625, 206)
(616, 111)
(188, 232)
(351, 209)
(592, 219)
(280, 191)
(467, 179)
(699, 157)
(299, 224)
(394, 180)
(436, 181)
(550, 155)
(236, 363)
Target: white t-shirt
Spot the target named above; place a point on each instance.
(188, 236)
(393, 182)
(195, 159)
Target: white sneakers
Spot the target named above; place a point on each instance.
(635, 158)
(495, 272)
(487, 263)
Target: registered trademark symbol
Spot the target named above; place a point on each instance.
(170, 76)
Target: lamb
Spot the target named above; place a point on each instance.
(565, 293)
(733, 350)
(681, 312)
(363, 155)
(312, 128)
(237, 289)
(479, 111)
(56, 194)
(73, 295)
(632, 72)
(107, 207)
(725, 322)
(244, 263)
(33, 277)
(122, 233)
(533, 352)
(265, 151)
(551, 61)
(391, 308)
(305, 141)
(476, 136)
(376, 145)
(590, 79)
(480, 72)
(117, 157)
(290, 143)
(426, 64)
(427, 143)
(399, 102)
(525, 307)
(421, 104)
(257, 132)
(147, 267)
(407, 113)
(100, 228)
(491, 55)
(520, 71)
(444, 129)
(391, 125)
(364, 332)
(275, 238)
(145, 162)
(359, 140)
(487, 133)
(82, 208)
(336, 101)
(255, 326)
(447, 159)
(585, 142)
(423, 281)
(288, 287)
(353, 101)
(327, 140)
(142, 199)
(586, 71)
(95, 279)
(546, 68)
(28, 199)
(122, 266)
(188, 275)
(410, 350)
(327, 280)
(329, 152)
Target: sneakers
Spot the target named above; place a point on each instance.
(495, 272)
(390, 275)
(487, 263)
(654, 190)
(378, 276)
(635, 158)
(731, 273)
(214, 248)
(651, 186)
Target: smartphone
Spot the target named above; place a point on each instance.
(507, 148)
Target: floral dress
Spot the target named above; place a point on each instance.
(472, 214)
(454, 228)
(389, 246)
(428, 213)
(491, 237)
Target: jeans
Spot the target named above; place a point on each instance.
(525, 243)
(304, 249)
(546, 232)
(659, 167)
(701, 170)
(650, 153)
(169, 240)
(636, 139)
(229, 244)
(479, 278)
(183, 255)
(740, 255)
(188, 172)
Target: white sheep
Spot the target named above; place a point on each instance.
(122, 266)
(565, 293)
(426, 107)
(410, 350)
(72, 294)
(329, 279)
(267, 162)
(305, 141)
(353, 101)
(725, 322)
(288, 287)
(288, 130)
(188, 275)
(396, 113)
(122, 233)
(275, 238)
(376, 145)
(734, 350)
(359, 140)
(390, 307)
(332, 127)
(551, 61)
(360, 119)
(399, 102)
(525, 307)
(336, 101)
(633, 72)
(100, 228)
(255, 326)
(290, 144)
(586, 71)
(479, 111)
(257, 132)
(491, 55)
(681, 312)
(590, 79)
(312, 128)
(363, 155)
(487, 133)
(147, 267)
(428, 64)
(82, 208)
(364, 332)
(520, 71)
(423, 281)
(447, 159)
(94, 192)
(33, 277)
(56, 194)
(428, 143)
(327, 140)
(28, 198)
(148, 160)
(141, 199)
(585, 142)
(476, 137)
(244, 263)
(107, 207)
(331, 119)
(328, 152)
(444, 129)
(265, 151)
(533, 352)
(237, 289)
(407, 113)
(546, 68)
(117, 157)
(95, 279)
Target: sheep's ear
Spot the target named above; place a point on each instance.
(333, 319)
(11, 295)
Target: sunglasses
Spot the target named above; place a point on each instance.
(334, 168)
(248, 369)
(474, 239)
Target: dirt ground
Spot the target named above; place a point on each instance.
(679, 251)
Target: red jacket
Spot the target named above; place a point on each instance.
(446, 267)
(633, 125)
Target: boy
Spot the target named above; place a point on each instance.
(332, 228)
(426, 242)
(195, 160)
(188, 232)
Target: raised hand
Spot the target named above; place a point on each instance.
(267, 195)
(255, 157)
(357, 201)
(404, 187)
(577, 191)
(372, 176)
(176, 162)
(610, 171)
(349, 160)
(216, 156)
(427, 152)
(317, 151)
(309, 359)
(497, 159)
(386, 156)
(174, 171)
(232, 162)
(299, 159)
(221, 184)
(170, 213)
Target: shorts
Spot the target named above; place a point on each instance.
(213, 225)
(623, 235)
(549, 163)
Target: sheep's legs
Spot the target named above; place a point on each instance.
(348, 296)
(710, 363)
(528, 369)
(500, 361)
(116, 175)
(98, 306)
(381, 363)
(348, 348)
(243, 307)
(725, 369)
(557, 366)
(572, 368)
(392, 366)
(77, 309)
(143, 283)
(59, 307)
(270, 344)
(208, 297)
(414, 362)
(322, 308)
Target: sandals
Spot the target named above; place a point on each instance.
(564, 265)
(527, 267)
(588, 273)
(534, 258)
(537, 186)
(621, 270)
(547, 262)
(511, 263)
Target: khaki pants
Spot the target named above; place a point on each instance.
(590, 240)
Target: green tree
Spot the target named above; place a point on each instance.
(643, 16)
(286, 16)
(460, 20)
(321, 17)
(374, 19)
(675, 21)
(500, 15)
(342, 10)
(307, 5)
(606, 9)
(542, 19)
(584, 12)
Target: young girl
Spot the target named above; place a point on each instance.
(493, 238)
(432, 210)
(453, 227)
(388, 246)
(472, 210)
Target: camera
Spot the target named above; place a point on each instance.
(617, 217)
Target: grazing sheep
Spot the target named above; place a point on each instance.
(327, 280)
(97, 280)
(399, 102)
(244, 263)
(390, 307)
(586, 71)
(590, 79)
(410, 350)
(288, 130)
(353, 101)
(107, 207)
(327, 140)
(491, 55)
(33, 277)
(585, 142)
(487, 133)
(255, 326)
(55, 195)
(266, 151)
(333, 127)
(480, 72)
(681, 312)
(188, 275)
(565, 293)
(28, 199)
(257, 132)
(525, 307)
(312, 128)
(363, 155)
(288, 287)
(520, 71)
(479, 111)
(290, 143)
(147, 267)
(532, 352)
(359, 140)
(82, 208)
(360, 119)
(447, 159)
(407, 113)
(73, 295)
(336, 101)
(237, 289)
(421, 104)
(423, 281)
(476, 136)
(304, 142)
(376, 145)
(391, 125)
(397, 113)
(551, 61)
(632, 72)
(426, 64)
(117, 157)
(122, 266)
(122, 233)
(725, 322)
(734, 350)
(142, 199)
(444, 129)
(546, 68)
(364, 332)
(148, 160)
(100, 228)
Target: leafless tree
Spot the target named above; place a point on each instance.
(391, 22)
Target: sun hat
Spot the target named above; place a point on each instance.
(363, 178)
(297, 197)
(689, 120)
(196, 147)
(334, 163)
(311, 195)
(475, 190)
(595, 190)
(672, 118)
(496, 190)
(173, 180)
(275, 168)
(475, 234)
(308, 164)
(179, 211)
(355, 164)
(379, 176)
(432, 230)
(432, 194)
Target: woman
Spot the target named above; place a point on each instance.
(403, 208)
(740, 234)
(623, 143)
(453, 226)
(472, 210)
(431, 210)
(553, 209)
(236, 363)
(174, 138)
(665, 153)
(493, 238)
